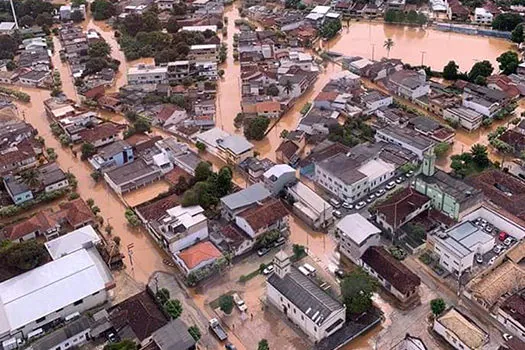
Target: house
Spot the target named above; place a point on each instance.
(255, 168)
(448, 194)
(277, 177)
(373, 100)
(197, 257)
(173, 336)
(356, 235)
(113, 155)
(459, 331)
(235, 203)
(33, 78)
(82, 238)
(18, 189)
(7, 27)
(310, 207)
(74, 333)
(180, 227)
(482, 16)
(100, 135)
(391, 274)
(301, 300)
(410, 343)
(16, 159)
(233, 149)
(232, 239)
(76, 213)
(456, 11)
(457, 246)
(290, 148)
(400, 208)
(74, 283)
(467, 118)
(44, 223)
(261, 218)
(131, 176)
(143, 74)
(511, 314)
(204, 52)
(408, 84)
(51, 178)
(406, 138)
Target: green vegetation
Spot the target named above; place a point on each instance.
(173, 307)
(207, 187)
(517, 34)
(299, 252)
(226, 303)
(247, 277)
(306, 108)
(125, 344)
(507, 21)
(267, 238)
(437, 306)
(471, 162)
(441, 149)
(29, 13)
(330, 29)
(17, 95)
(103, 9)
(480, 71)
(132, 218)
(450, 71)
(195, 332)
(508, 62)
(397, 252)
(22, 256)
(357, 289)
(200, 146)
(263, 345)
(351, 133)
(87, 150)
(412, 17)
(255, 128)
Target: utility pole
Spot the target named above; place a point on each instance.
(130, 254)
(422, 56)
(14, 13)
(373, 49)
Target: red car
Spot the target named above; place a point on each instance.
(503, 236)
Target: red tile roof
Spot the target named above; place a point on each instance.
(287, 148)
(98, 132)
(264, 215)
(41, 221)
(76, 212)
(199, 253)
(155, 210)
(327, 96)
(401, 204)
(392, 270)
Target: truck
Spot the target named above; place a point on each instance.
(217, 329)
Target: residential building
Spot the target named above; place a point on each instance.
(459, 331)
(356, 234)
(173, 336)
(268, 216)
(406, 138)
(400, 208)
(100, 135)
(143, 74)
(131, 176)
(16, 159)
(277, 177)
(457, 246)
(7, 27)
(72, 334)
(33, 78)
(310, 207)
(235, 203)
(309, 307)
(113, 155)
(467, 118)
(18, 189)
(81, 238)
(410, 343)
(482, 16)
(233, 149)
(395, 277)
(511, 314)
(449, 195)
(374, 100)
(232, 239)
(204, 53)
(409, 84)
(74, 283)
(199, 256)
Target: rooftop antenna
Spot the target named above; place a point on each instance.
(14, 13)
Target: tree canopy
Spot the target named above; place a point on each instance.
(450, 71)
(480, 69)
(506, 21)
(255, 128)
(103, 9)
(437, 306)
(357, 289)
(508, 62)
(226, 303)
(517, 34)
(24, 255)
(330, 28)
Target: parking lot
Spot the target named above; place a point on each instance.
(503, 242)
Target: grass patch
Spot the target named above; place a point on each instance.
(214, 304)
(246, 278)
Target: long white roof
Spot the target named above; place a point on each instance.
(41, 291)
(357, 228)
(72, 242)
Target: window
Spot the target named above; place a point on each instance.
(40, 320)
(59, 310)
(302, 317)
(315, 329)
(78, 302)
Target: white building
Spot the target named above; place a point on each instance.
(310, 207)
(356, 235)
(82, 238)
(182, 227)
(460, 332)
(233, 149)
(406, 138)
(278, 176)
(457, 246)
(482, 16)
(467, 118)
(37, 298)
(200, 28)
(309, 307)
(143, 74)
(204, 53)
(199, 256)
(481, 105)
(74, 334)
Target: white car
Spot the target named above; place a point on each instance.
(348, 205)
(400, 180)
(380, 193)
(390, 185)
(360, 205)
(508, 241)
(409, 174)
(492, 260)
(506, 336)
(337, 214)
(268, 270)
(239, 302)
(498, 249)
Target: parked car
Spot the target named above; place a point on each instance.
(268, 270)
(339, 273)
(492, 260)
(498, 249)
(410, 173)
(230, 346)
(506, 336)
(337, 214)
(503, 236)
(263, 251)
(479, 259)
(390, 185)
(371, 198)
(400, 180)
(380, 193)
(348, 205)
(508, 241)
(112, 338)
(489, 228)
(335, 203)
(239, 302)
(279, 242)
(360, 205)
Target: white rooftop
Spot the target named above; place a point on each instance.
(482, 12)
(216, 137)
(203, 47)
(363, 62)
(199, 28)
(321, 9)
(187, 216)
(83, 237)
(308, 197)
(465, 238)
(48, 288)
(278, 170)
(143, 69)
(375, 168)
(357, 228)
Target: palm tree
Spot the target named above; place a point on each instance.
(30, 177)
(480, 155)
(288, 86)
(389, 43)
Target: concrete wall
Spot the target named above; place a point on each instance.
(57, 186)
(498, 220)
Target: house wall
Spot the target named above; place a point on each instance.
(104, 141)
(73, 341)
(339, 188)
(381, 137)
(351, 249)
(186, 239)
(501, 222)
(186, 270)
(57, 186)
(386, 284)
(449, 336)
(278, 185)
(440, 200)
(294, 314)
(375, 105)
(450, 261)
(22, 197)
(514, 326)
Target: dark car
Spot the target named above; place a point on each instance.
(339, 273)
(263, 251)
(230, 346)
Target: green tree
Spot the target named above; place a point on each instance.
(450, 71)
(8, 47)
(288, 86)
(195, 332)
(173, 25)
(388, 45)
(99, 48)
(31, 178)
(142, 125)
(132, 218)
(507, 21)
(24, 255)
(181, 186)
(284, 134)
(357, 289)
(441, 149)
(508, 62)
(480, 155)
(174, 308)
(273, 90)
(437, 306)
(482, 68)
(263, 345)
(203, 171)
(299, 251)
(87, 150)
(255, 128)
(224, 181)
(102, 9)
(77, 16)
(200, 146)
(412, 16)
(330, 28)
(125, 344)
(517, 34)
(390, 16)
(226, 303)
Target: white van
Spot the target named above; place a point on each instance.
(304, 271)
(335, 203)
(311, 270)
